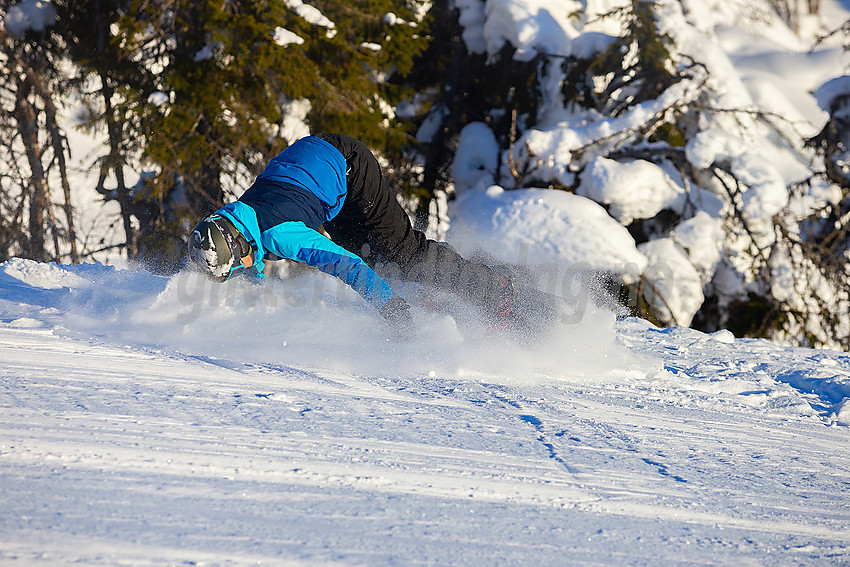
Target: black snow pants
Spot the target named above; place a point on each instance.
(373, 225)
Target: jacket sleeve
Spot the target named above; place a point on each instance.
(296, 241)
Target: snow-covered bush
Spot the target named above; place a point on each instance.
(695, 127)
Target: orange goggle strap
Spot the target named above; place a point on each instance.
(234, 240)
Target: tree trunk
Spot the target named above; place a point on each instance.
(39, 201)
(56, 140)
(114, 129)
(116, 162)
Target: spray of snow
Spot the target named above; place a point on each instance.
(311, 321)
(311, 324)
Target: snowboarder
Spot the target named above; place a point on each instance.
(334, 182)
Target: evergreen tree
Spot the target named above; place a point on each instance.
(461, 87)
(205, 87)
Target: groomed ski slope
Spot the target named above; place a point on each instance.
(138, 430)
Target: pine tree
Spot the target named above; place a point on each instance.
(205, 87)
(463, 87)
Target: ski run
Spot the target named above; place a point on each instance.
(136, 429)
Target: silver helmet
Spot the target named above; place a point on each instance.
(217, 247)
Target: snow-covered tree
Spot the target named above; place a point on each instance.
(639, 107)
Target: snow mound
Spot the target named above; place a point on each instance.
(476, 159)
(635, 189)
(531, 26)
(534, 227)
(47, 276)
(702, 237)
(677, 286)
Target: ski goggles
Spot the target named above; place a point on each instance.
(236, 243)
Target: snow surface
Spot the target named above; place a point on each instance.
(282, 427)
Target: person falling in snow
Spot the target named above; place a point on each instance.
(333, 181)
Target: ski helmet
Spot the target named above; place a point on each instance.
(217, 247)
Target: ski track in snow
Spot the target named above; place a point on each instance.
(702, 449)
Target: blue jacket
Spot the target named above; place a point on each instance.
(280, 214)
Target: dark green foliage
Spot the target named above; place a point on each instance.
(213, 124)
(352, 78)
(577, 86)
(226, 81)
(669, 133)
(644, 230)
(469, 87)
(637, 65)
(757, 316)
